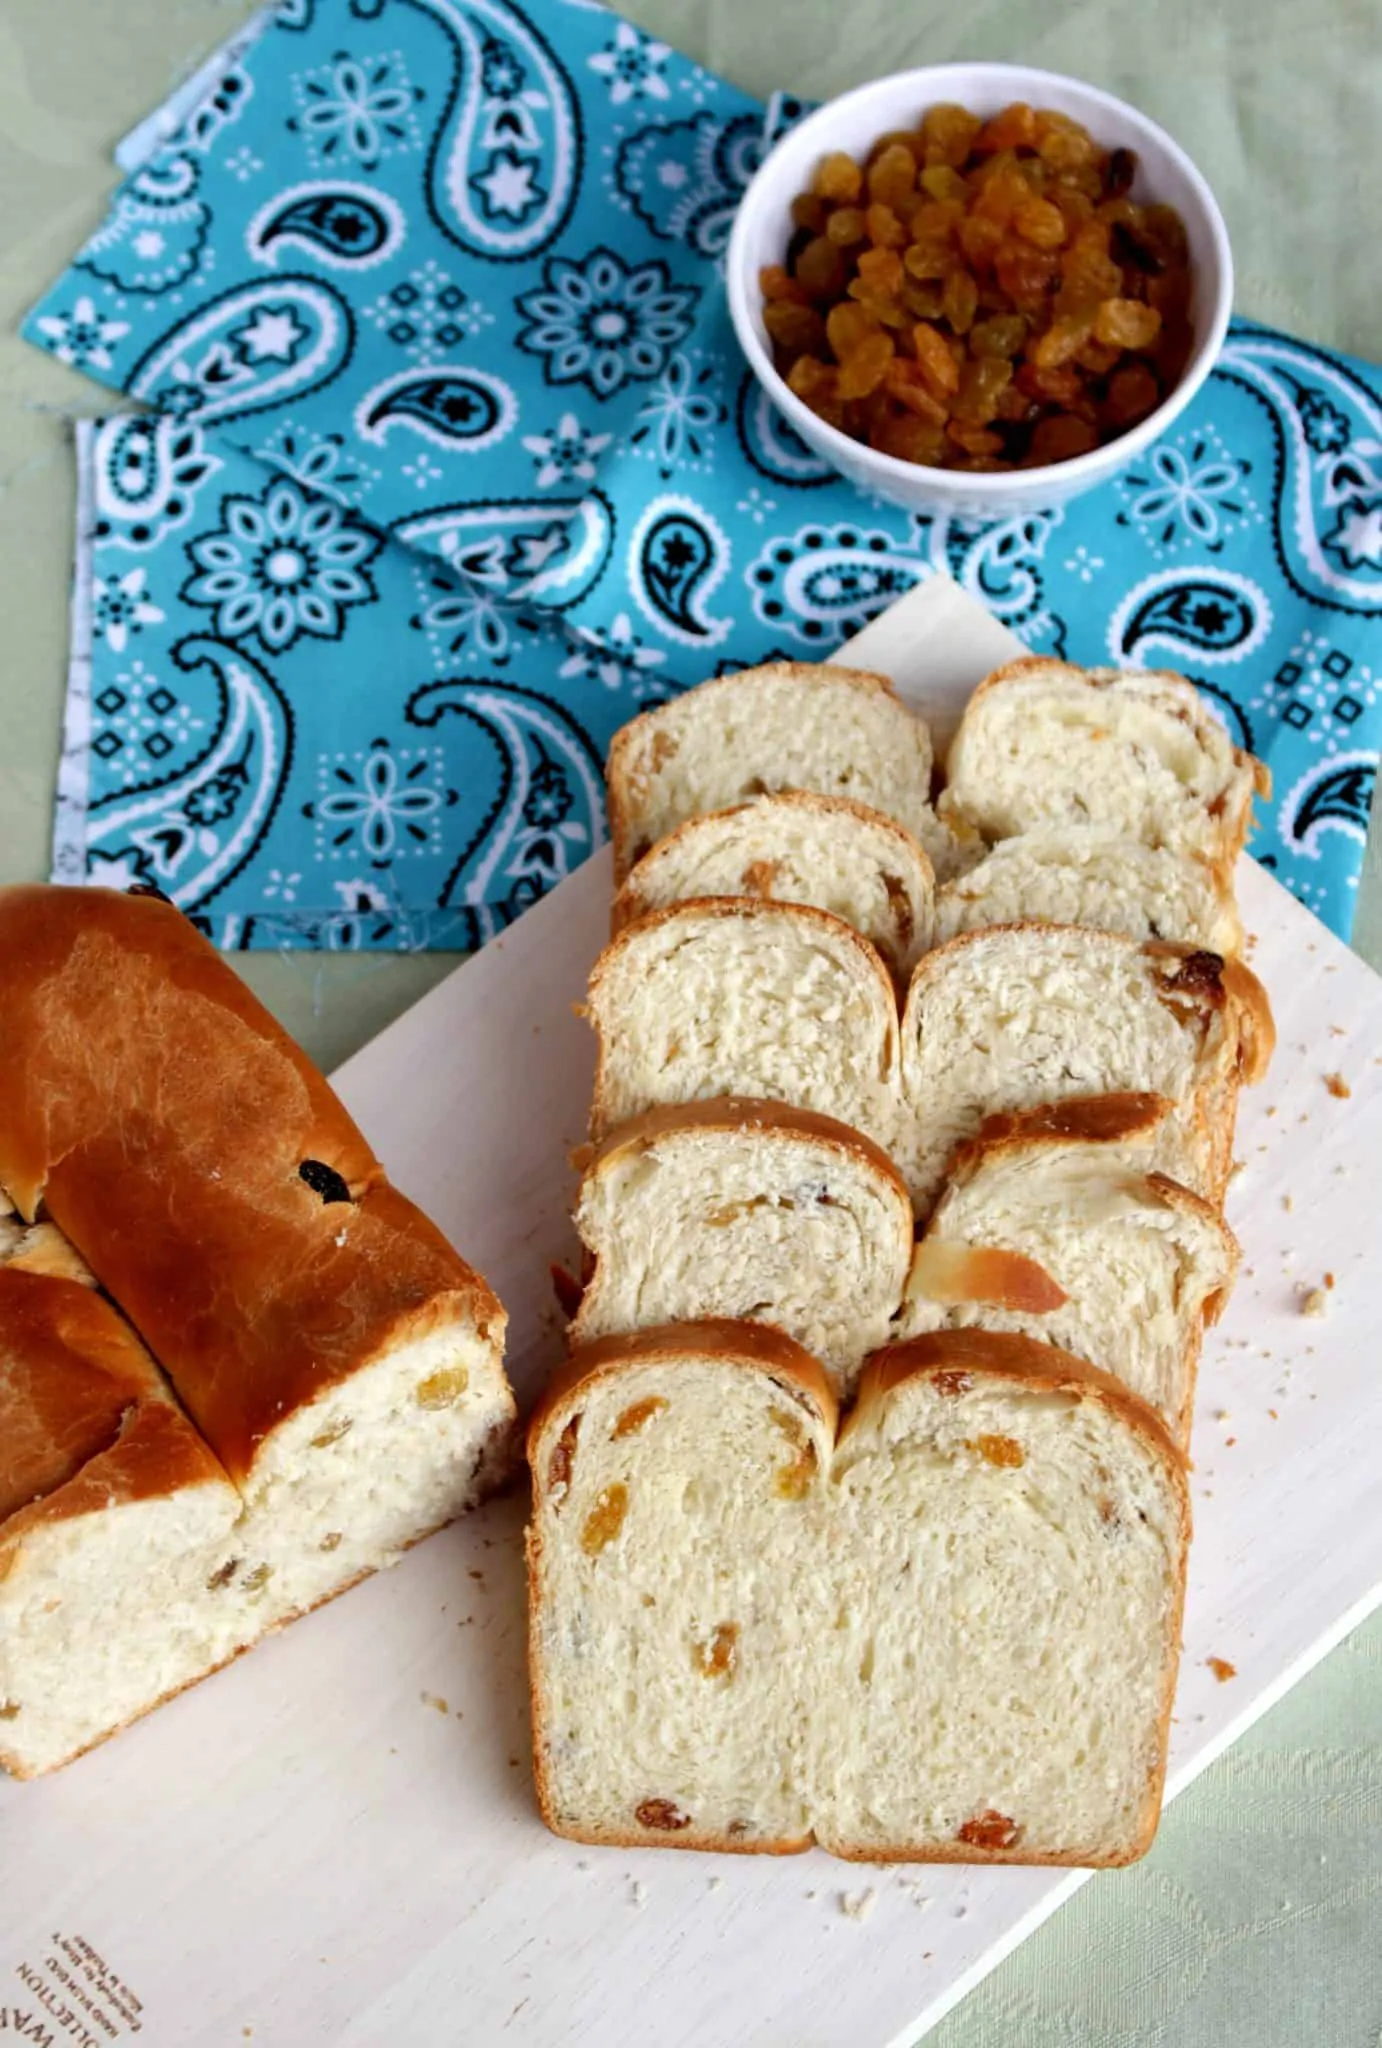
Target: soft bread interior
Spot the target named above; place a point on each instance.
(1042, 742)
(673, 1503)
(1025, 1014)
(1095, 875)
(1010, 1556)
(1137, 1258)
(787, 725)
(760, 1215)
(797, 848)
(952, 1635)
(740, 998)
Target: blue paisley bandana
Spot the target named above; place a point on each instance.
(452, 464)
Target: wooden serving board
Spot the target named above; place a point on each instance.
(335, 1841)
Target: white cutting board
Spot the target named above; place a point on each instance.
(311, 1849)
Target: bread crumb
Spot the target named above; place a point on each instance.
(1223, 1415)
(340, 1237)
(1229, 1442)
(1313, 1301)
(1272, 1110)
(1338, 1086)
(583, 1865)
(434, 1700)
(1239, 1167)
(715, 1883)
(1287, 1204)
(1222, 1669)
(858, 1905)
(1329, 1280)
(639, 1893)
(1275, 1417)
(1337, 1031)
(810, 1895)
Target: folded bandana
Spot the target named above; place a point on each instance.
(454, 464)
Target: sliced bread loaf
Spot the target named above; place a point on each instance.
(1042, 742)
(1055, 1224)
(787, 725)
(674, 1478)
(1093, 875)
(729, 996)
(950, 1637)
(746, 1210)
(797, 848)
(1024, 1014)
(1009, 1531)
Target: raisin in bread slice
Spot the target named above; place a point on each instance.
(728, 996)
(1008, 1543)
(787, 725)
(675, 1478)
(1018, 1015)
(1055, 1224)
(797, 848)
(1093, 875)
(734, 1209)
(1042, 742)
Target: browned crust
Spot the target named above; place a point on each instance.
(1095, 1119)
(756, 1347)
(133, 1056)
(1004, 1355)
(697, 911)
(743, 1115)
(628, 904)
(627, 744)
(1257, 1026)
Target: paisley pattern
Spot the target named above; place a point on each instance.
(453, 458)
(505, 163)
(677, 557)
(350, 227)
(453, 408)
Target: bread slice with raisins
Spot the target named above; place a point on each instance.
(1008, 1543)
(949, 1636)
(787, 725)
(1019, 1015)
(750, 1211)
(729, 996)
(1093, 875)
(1055, 1223)
(1044, 743)
(797, 848)
(674, 1477)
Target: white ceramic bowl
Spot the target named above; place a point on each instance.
(854, 122)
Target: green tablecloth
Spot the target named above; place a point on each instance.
(1257, 1920)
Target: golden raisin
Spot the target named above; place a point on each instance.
(1126, 324)
(605, 1519)
(820, 268)
(1014, 128)
(881, 271)
(885, 229)
(809, 211)
(633, 1418)
(960, 301)
(559, 1465)
(893, 175)
(1040, 222)
(989, 1830)
(942, 181)
(934, 358)
(839, 178)
(948, 134)
(442, 1389)
(865, 367)
(846, 325)
(794, 1478)
(663, 1814)
(846, 227)
(999, 1450)
(774, 283)
(1061, 438)
(718, 1657)
(798, 329)
(1062, 340)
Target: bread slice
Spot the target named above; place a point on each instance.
(1093, 875)
(677, 1481)
(343, 1365)
(113, 1517)
(750, 1211)
(728, 996)
(787, 725)
(1009, 1532)
(1018, 1015)
(1055, 1224)
(1042, 743)
(950, 1637)
(797, 848)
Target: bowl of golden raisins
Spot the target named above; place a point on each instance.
(978, 288)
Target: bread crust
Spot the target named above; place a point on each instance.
(628, 744)
(741, 1113)
(628, 905)
(1111, 1118)
(133, 1057)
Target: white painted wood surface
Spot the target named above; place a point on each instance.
(314, 1847)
